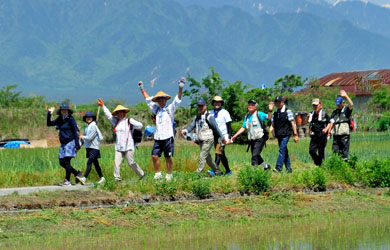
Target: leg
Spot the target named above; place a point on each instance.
(202, 157)
(64, 163)
(169, 162)
(91, 157)
(168, 153)
(287, 156)
(313, 148)
(321, 149)
(97, 167)
(207, 148)
(344, 140)
(256, 148)
(133, 165)
(335, 145)
(282, 153)
(117, 165)
(156, 154)
(225, 162)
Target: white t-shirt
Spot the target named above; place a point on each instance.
(222, 118)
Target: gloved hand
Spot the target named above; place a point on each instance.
(100, 102)
(141, 85)
(182, 82)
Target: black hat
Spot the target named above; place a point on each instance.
(64, 106)
(252, 101)
(89, 114)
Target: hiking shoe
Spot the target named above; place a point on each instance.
(101, 181)
(168, 177)
(118, 179)
(82, 179)
(157, 175)
(268, 167)
(140, 178)
(229, 173)
(66, 183)
(211, 173)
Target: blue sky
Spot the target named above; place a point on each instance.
(379, 2)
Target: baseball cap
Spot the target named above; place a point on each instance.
(316, 101)
(252, 101)
(279, 99)
(339, 100)
(201, 102)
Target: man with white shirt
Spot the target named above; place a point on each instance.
(205, 128)
(164, 135)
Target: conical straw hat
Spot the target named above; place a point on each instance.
(120, 108)
(160, 94)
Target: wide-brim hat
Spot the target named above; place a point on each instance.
(64, 106)
(120, 108)
(161, 94)
(217, 99)
(89, 114)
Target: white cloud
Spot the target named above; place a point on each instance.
(386, 6)
(153, 81)
(260, 7)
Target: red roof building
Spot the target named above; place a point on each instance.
(359, 83)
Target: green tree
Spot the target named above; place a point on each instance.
(234, 97)
(381, 98)
(8, 96)
(288, 83)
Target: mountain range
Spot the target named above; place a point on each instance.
(101, 48)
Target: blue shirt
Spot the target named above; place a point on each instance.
(262, 115)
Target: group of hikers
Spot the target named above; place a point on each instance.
(212, 129)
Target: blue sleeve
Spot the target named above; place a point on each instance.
(192, 125)
(263, 116)
(243, 124)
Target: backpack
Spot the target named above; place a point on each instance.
(262, 124)
(198, 116)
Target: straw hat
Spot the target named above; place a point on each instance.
(120, 108)
(160, 94)
(217, 99)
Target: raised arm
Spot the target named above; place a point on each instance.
(270, 109)
(182, 82)
(107, 112)
(49, 122)
(345, 95)
(141, 87)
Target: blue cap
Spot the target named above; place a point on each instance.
(89, 114)
(339, 100)
(202, 102)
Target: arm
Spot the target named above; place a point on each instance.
(190, 127)
(109, 116)
(229, 129)
(182, 82)
(345, 95)
(327, 128)
(136, 124)
(270, 109)
(141, 87)
(239, 132)
(75, 132)
(294, 131)
(92, 133)
(49, 122)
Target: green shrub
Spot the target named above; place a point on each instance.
(377, 173)
(319, 179)
(254, 180)
(201, 188)
(340, 169)
(384, 122)
(165, 188)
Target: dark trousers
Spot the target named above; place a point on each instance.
(341, 145)
(317, 148)
(65, 163)
(256, 148)
(93, 155)
(221, 157)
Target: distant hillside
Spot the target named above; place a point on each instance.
(87, 49)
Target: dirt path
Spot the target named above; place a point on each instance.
(28, 190)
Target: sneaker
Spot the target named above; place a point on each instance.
(169, 177)
(79, 173)
(268, 167)
(275, 170)
(66, 183)
(211, 173)
(229, 173)
(82, 179)
(157, 175)
(118, 179)
(101, 181)
(140, 178)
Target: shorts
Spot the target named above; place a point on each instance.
(93, 153)
(166, 146)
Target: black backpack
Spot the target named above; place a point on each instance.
(137, 134)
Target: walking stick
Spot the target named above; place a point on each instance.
(97, 115)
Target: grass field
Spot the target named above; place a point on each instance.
(32, 167)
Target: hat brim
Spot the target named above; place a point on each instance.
(213, 101)
(165, 96)
(70, 111)
(85, 118)
(116, 111)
